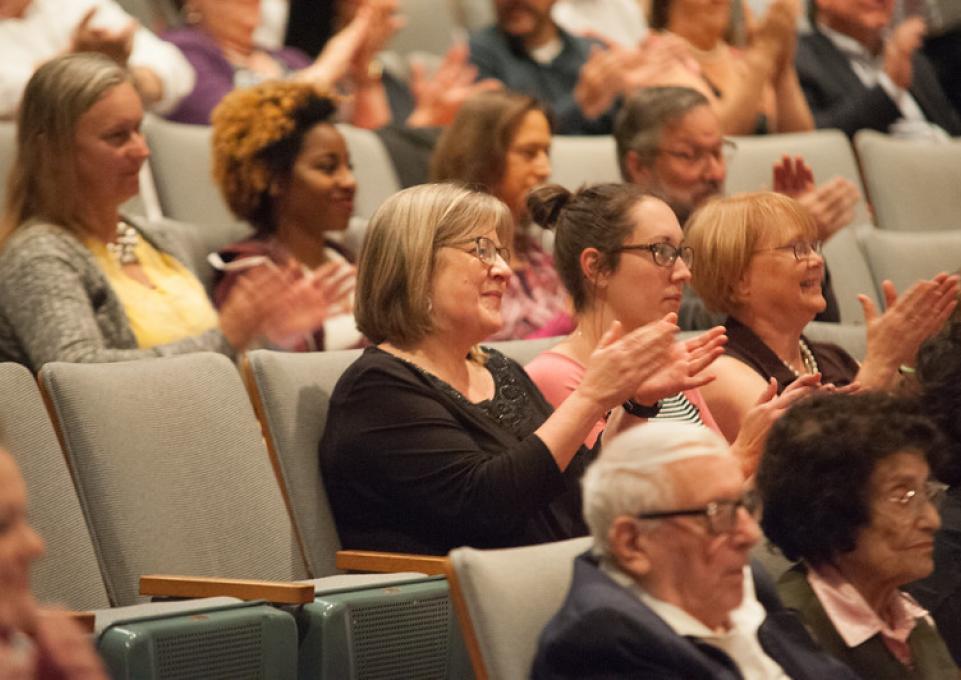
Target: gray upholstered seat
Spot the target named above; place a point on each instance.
(588, 159)
(68, 573)
(171, 471)
(905, 257)
(506, 597)
(828, 152)
(913, 185)
(373, 168)
(850, 274)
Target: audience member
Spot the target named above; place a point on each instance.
(622, 257)
(757, 259)
(755, 90)
(845, 486)
(939, 376)
(284, 168)
(34, 644)
(618, 21)
(33, 31)
(433, 443)
(80, 282)
(856, 75)
(944, 52)
(667, 590)
(500, 143)
(670, 143)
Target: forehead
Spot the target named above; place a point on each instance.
(120, 103)
(699, 126)
(652, 218)
(533, 128)
(323, 138)
(899, 468)
(703, 479)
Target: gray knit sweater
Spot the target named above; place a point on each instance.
(57, 305)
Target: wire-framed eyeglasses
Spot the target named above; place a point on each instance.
(664, 254)
(486, 250)
(721, 515)
(721, 153)
(802, 249)
(914, 499)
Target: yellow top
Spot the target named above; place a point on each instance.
(175, 308)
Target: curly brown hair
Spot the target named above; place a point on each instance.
(257, 134)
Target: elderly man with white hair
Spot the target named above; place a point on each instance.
(667, 590)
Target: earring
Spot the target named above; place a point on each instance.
(430, 305)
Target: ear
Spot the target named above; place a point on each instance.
(630, 547)
(637, 172)
(742, 288)
(590, 261)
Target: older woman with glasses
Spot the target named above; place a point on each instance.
(757, 259)
(846, 488)
(431, 441)
(622, 257)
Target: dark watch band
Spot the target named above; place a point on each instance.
(640, 410)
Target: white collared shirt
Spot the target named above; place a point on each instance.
(869, 69)
(739, 641)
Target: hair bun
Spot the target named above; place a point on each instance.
(544, 204)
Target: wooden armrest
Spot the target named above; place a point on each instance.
(86, 620)
(386, 563)
(279, 592)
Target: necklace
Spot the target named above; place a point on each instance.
(124, 248)
(807, 358)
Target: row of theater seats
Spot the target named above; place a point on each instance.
(183, 465)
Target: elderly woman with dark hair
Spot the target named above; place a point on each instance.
(846, 488)
(939, 377)
(500, 142)
(284, 167)
(432, 442)
(81, 282)
(757, 259)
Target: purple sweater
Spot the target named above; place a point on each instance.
(215, 75)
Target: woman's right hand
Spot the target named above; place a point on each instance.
(685, 367)
(621, 362)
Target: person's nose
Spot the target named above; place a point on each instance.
(346, 178)
(680, 273)
(34, 546)
(930, 517)
(715, 169)
(501, 269)
(138, 146)
(542, 166)
(747, 532)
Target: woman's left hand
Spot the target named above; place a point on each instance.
(685, 368)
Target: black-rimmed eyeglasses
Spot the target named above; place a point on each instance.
(664, 254)
(721, 515)
(802, 249)
(723, 152)
(486, 250)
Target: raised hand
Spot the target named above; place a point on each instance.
(900, 48)
(64, 651)
(439, 97)
(600, 81)
(114, 44)
(684, 369)
(831, 204)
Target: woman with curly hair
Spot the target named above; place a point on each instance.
(846, 488)
(283, 167)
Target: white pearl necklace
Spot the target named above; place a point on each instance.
(807, 358)
(124, 249)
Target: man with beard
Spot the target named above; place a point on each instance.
(670, 143)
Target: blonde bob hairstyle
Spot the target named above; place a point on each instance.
(726, 232)
(43, 181)
(396, 264)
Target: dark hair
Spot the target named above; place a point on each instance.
(659, 14)
(596, 216)
(939, 375)
(257, 134)
(814, 475)
(640, 122)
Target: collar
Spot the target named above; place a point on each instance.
(850, 47)
(516, 45)
(853, 618)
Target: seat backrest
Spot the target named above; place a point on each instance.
(850, 274)
(171, 470)
(197, 242)
(180, 158)
(524, 351)
(8, 153)
(577, 160)
(373, 168)
(905, 257)
(913, 185)
(68, 572)
(291, 395)
(828, 152)
(504, 598)
(430, 27)
(852, 339)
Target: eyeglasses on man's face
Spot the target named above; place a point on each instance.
(802, 249)
(915, 499)
(664, 254)
(694, 155)
(721, 516)
(487, 250)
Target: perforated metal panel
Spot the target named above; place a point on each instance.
(231, 653)
(402, 639)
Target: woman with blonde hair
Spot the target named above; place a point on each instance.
(433, 442)
(757, 259)
(81, 282)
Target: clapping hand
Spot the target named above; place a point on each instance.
(685, 367)
(114, 44)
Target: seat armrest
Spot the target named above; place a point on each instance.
(278, 592)
(385, 563)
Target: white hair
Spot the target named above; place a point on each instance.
(628, 478)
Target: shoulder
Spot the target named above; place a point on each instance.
(41, 239)
(490, 36)
(190, 38)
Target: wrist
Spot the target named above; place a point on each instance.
(642, 410)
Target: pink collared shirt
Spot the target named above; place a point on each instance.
(855, 620)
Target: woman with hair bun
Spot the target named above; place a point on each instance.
(622, 256)
(283, 167)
